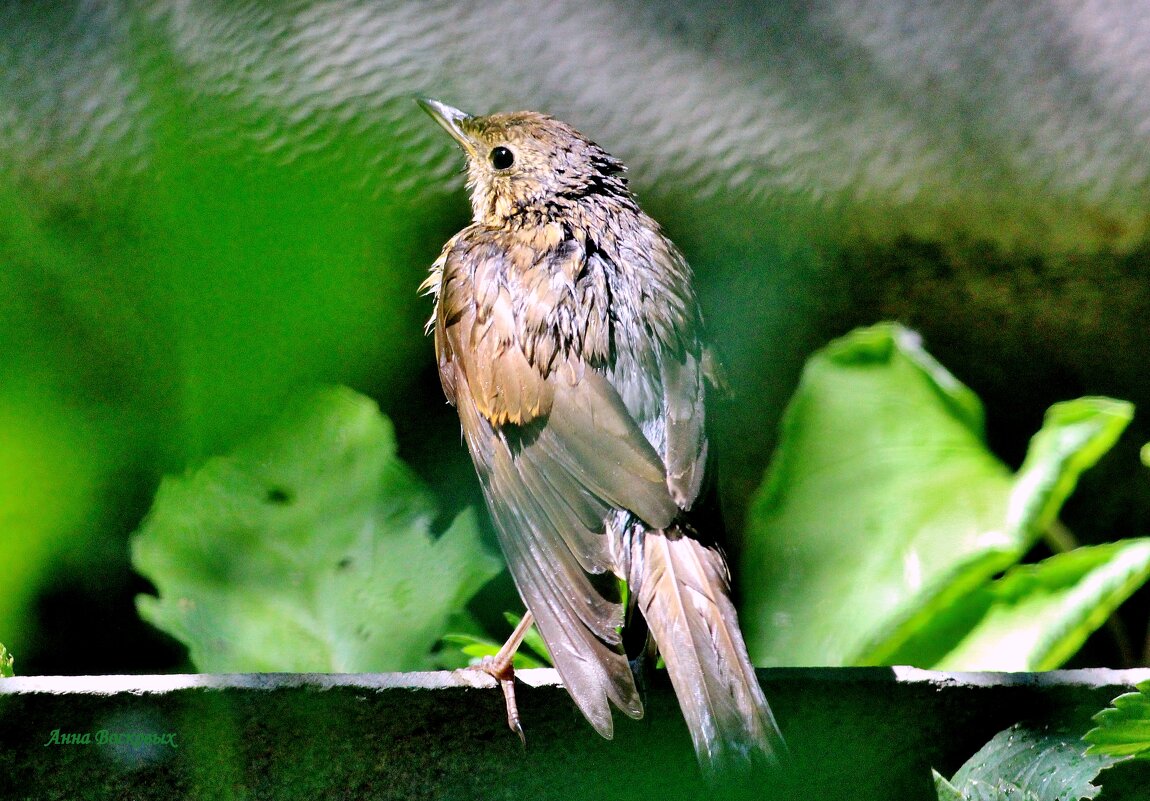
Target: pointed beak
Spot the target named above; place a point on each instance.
(449, 118)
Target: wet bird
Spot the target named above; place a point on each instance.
(569, 339)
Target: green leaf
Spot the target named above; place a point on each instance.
(1035, 617)
(1123, 730)
(460, 624)
(946, 791)
(978, 790)
(1024, 765)
(307, 549)
(477, 647)
(883, 505)
(474, 645)
(1074, 436)
(6, 661)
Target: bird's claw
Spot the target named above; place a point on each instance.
(503, 672)
(500, 668)
(508, 686)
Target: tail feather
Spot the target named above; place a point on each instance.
(683, 591)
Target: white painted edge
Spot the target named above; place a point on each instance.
(157, 684)
(1088, 677)
(537, 677)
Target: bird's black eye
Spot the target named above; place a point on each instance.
(501, 158)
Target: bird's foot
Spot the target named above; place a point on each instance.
(503, 672)
(500, 668)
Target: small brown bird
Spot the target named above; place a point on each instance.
(569, 339)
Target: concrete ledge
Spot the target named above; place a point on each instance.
(865, 733)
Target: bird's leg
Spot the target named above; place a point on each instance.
(500, 668)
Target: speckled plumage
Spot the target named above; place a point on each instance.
(569, 339)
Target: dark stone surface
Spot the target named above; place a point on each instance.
(868, 733)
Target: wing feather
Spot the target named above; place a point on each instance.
(556, 451)
(578, 618)
(684, 394)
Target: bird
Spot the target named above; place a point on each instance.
(569, 338)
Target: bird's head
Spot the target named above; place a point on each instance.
(526, 162)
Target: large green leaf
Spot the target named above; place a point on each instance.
(1020, 764)
(1036, 616)
(308, 549)
(884, 506)
(1123, 729)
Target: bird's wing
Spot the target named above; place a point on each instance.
(555, 453)
(684, 397)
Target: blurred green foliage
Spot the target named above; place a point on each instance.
(308, 550)
(208, 218)
(875, 539)
(884, 516)
(154, 321)
(1036, 617)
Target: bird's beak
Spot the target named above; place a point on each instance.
(449, 118)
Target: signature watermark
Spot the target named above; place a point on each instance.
(131, 739)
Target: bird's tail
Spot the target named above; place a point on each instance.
(683, 590)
